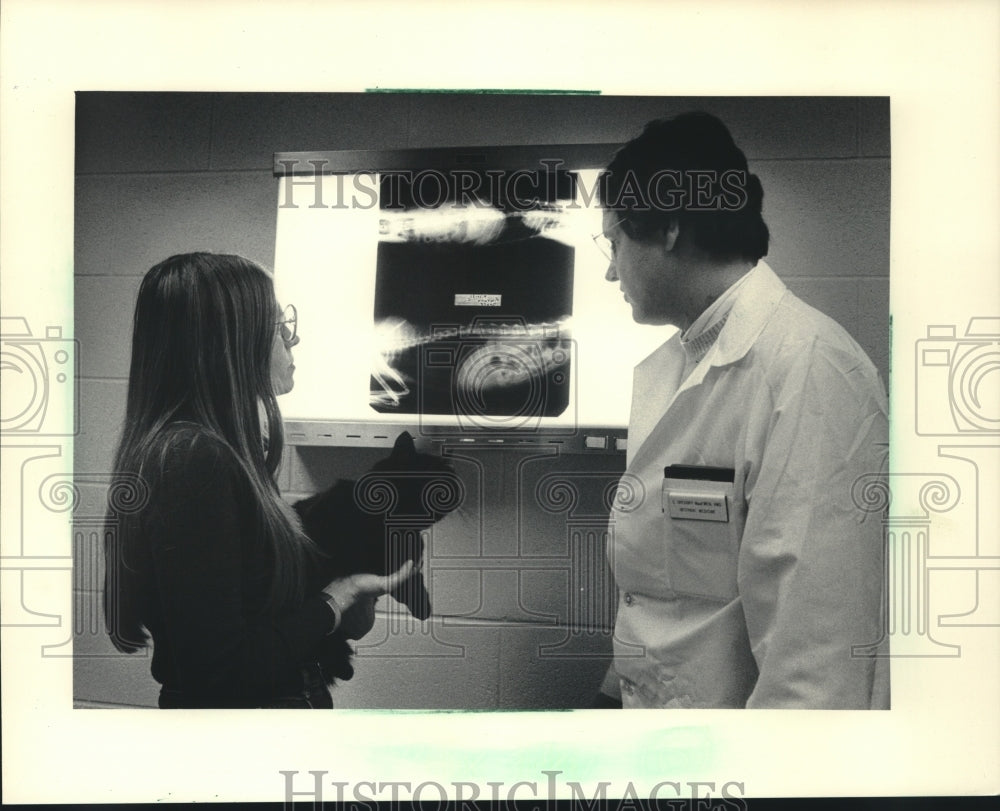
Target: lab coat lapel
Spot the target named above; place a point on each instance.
(654, 384)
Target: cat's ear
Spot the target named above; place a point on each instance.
(404, 446)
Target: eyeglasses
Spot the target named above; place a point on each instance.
(605, 245)
(288, 324)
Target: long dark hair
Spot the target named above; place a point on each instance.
(202, 338)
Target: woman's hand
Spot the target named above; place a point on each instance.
(355, 596)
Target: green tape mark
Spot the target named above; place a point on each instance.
(484, 91)
(644, 759)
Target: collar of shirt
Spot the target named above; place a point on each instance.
(697, 339)
(748, 310)
(760, 292)
(670, 370)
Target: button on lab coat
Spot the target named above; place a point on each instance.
(762, 610)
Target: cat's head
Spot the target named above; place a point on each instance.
(405, 457)
(413, 485)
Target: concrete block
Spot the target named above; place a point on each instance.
(126, 224)
(763, 127)
(436, 666)
(312, 469)
(102, 674)
(874, 137)
(550, 668)
(102, 323)
(827, 218)
(873, 322)
(142, 132)
(102, 411)
(837, 298)
(248, 128)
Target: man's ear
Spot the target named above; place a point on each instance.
(670, 234)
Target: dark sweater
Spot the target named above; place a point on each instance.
(207, 581)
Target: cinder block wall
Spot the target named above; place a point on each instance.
(163, 173)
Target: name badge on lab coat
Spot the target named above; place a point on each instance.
(697, 493)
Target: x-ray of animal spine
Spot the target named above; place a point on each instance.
(472, 310)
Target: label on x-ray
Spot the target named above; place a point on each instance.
(477, 299)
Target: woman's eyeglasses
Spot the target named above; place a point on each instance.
(288, 324)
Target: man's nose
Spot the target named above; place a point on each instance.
(611, 275)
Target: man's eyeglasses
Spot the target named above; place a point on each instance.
(288, 324)
(605, 245)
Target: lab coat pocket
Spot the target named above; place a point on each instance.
(702, 520)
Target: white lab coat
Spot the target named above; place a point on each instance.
(761, 610)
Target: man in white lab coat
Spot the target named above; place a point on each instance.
(750, 573)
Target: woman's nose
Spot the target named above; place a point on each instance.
(295, 341)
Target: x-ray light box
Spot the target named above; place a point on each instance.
(455, 292)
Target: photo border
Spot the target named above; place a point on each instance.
(941, 736)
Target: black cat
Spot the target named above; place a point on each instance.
(376, 523)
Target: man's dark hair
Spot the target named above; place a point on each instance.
(688, 169)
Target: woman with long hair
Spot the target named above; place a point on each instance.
(210, 561)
